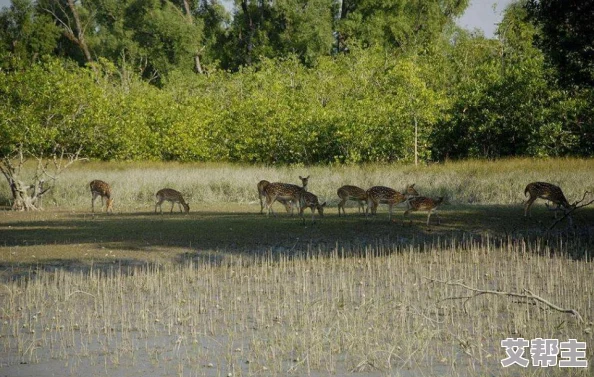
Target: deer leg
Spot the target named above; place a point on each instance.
(528, 205)
(390, 206)
(313, 212)
(428, 217)
(172, 204)
(159, 205)
(93, 203)
(261, 203)
(269, 201)
(341, 205)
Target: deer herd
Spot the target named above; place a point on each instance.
(291, 196)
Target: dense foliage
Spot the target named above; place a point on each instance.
(285, 81)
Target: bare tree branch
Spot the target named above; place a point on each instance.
(574, 207)
(28, 197)
(528, 295)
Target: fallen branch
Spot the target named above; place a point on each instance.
(528, 295)
(574, 206)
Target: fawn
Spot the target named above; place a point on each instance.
(262, 195)
(310, 200)
(421, 203)
(351, 193)
(386, 195)
(285, 191)
(546, 191)
(172, 196)
(102, 189)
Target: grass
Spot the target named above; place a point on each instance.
(227, 291)
(470, 182)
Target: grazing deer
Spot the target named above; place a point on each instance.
(351, 193)
(102, 189)
(172, 196)
(285, 191)
(386, 195)
(309, 200)
(262, 196)
(546, 191)
(421, 203)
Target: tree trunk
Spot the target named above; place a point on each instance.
(250, 34)
(190, 19)
(80, 34)
(416, 141)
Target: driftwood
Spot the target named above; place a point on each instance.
(528, 295)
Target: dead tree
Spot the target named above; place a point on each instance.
(73, 28)
(28, 196)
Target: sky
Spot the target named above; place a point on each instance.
(480, 14)
(484, 15)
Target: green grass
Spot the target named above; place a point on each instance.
(225, 290)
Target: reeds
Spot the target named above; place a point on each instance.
(373, 310)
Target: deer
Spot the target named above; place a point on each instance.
(355, 193)
(547, 191)
(309, 200)
(262, 196)
(102, 189)
(285, 191)
(422, 203)
(172, 196)
(386, 195)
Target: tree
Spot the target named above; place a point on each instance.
(566, 37)
(74, 22)
(28, 197)
(25, 35)
(169, 38)
(397, 23)
(279, 28)
(421, 104)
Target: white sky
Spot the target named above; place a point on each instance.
(480, 14)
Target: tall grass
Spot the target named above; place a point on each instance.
(474, 182)
(375, 312)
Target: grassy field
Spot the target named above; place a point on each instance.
(225, 290)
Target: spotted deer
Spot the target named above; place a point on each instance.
(262, 196)
(102, 189)
(546, 191)
(285, 191)
(385, 195)
(422, 203)
(172, 196)
(309, 200)
(351, 193)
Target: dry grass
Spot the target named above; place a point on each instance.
(470, 182)
(226, 291)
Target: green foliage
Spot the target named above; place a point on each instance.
(284, 100)
(397, 23)
(566, 38)
(25, 35)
